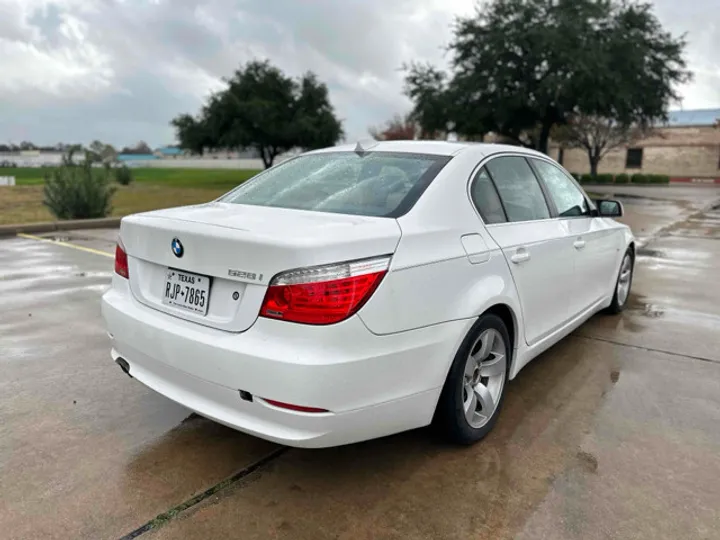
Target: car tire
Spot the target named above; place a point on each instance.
(474, 390)
(623, 284)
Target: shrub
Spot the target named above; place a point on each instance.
(577, 176)
(78, 192)
(658, 179)
(639, 178)
(604, 179)
(622, 178)
(587, 179)
(123, 175)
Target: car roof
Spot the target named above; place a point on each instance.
(439, 148)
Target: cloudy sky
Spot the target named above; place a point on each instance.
(120, 70)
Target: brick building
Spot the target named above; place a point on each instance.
(686, 148)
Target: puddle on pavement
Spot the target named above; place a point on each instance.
(705, 225)
(588, 462)
(637, 200)
(647, 217)
(69, 238)
(675, 254)
(686, 230)
(648, 252)
(79, 236)
(639, 304)
(653, 311)
(642, 307)
(104, 275)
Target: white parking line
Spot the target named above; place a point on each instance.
(66, 244)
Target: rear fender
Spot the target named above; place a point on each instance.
(517, 331)
(493, 289)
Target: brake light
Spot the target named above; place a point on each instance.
(121, 261)
(323, 294)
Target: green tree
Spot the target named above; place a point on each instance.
(427, 87)
(262, 108)
(191, 133)
(521, 67)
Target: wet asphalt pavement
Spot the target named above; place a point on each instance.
(613, 433)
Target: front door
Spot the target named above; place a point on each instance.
(593, 243)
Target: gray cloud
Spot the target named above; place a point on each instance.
(120, 70)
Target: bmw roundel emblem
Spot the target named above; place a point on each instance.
(177, 248)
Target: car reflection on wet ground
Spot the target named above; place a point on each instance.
(610, 434)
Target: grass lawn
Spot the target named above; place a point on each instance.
(153, 189)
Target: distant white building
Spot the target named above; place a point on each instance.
(35, 158)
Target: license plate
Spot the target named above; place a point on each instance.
(188, 291)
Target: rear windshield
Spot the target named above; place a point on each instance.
(373, 184)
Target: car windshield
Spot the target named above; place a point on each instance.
(370, 184)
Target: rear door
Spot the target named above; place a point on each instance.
(593, 243)
(537, 247)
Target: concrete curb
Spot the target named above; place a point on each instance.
(50, 226)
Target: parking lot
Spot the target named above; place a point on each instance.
(612, 433)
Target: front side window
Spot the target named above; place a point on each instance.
(568, 199)
(486, 199)
(519, 190)
(373, 184)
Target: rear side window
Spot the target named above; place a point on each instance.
(374, 184)
(486, 199)
(519, 190)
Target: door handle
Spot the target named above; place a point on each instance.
(579, 243)
(521, 255)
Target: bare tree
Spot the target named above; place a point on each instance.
(398, 129)
(598, 136)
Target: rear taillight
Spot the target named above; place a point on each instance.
(323, 294)
(121, 261)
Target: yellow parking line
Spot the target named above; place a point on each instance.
(66, 244)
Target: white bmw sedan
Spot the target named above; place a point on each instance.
(351, 293)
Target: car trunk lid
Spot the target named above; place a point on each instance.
(240, 248)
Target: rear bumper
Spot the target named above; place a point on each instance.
(372, 385)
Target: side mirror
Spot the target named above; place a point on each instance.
(609, 208)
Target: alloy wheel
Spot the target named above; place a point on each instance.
(623, 286)
(484, 377)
